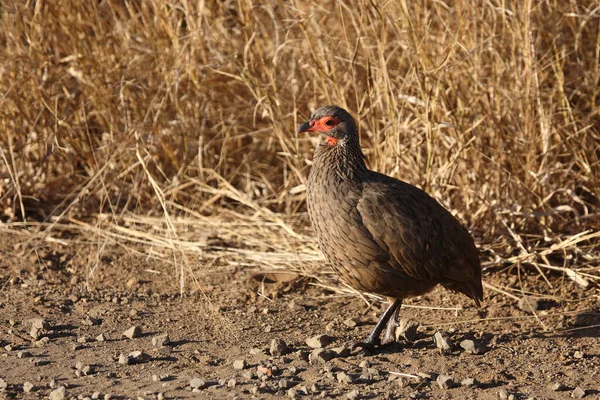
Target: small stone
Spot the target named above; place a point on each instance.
(28, 387)
(161, 340)
(133, 332)
(108, 396)
(268, 329)
(95, 395)
(285, 384)
(91, 321)
(239, 364)
(42, 342)
(278, 348)
(503, 394)
(320, 356)
(231, 383)
(578, 393)
(469, 382)
(100, 338)
(35, 333)
(255, 350)
(197, 383)
(558, 387)
(319, 341)
(3, 385)
(76, 347)
(578, 354)
(445, 381)
(40, 323)
(38, 362)
(407, 329)
(291, 393)
(343, 377)
(529, 304)
(83, 339)
(79, 365)
(138, 357)
(351, 322)
(315, 388)
(123, 359)
(353, 395)
(473, 347)
(341, 351)
(160, 396)
(442, 342)
(58, 394)
(248, 374)
(264, 371)
(23, 354)
(8, 347)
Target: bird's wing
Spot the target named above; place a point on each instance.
(421, 237)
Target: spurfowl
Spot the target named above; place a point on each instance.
(380, 234)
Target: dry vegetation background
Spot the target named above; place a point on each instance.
(171, 123)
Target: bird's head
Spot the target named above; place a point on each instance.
(334, 124)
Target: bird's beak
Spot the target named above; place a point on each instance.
(305, 127)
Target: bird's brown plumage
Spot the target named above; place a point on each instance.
(380, 234)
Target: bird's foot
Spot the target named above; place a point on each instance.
(365, 346)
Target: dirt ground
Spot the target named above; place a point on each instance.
(220, 335)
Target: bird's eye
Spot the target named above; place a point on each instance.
(329, 122)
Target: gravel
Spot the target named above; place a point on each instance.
(473, 347)
(469, 383)
(529, 304)
(578, 393)
(351, 322)
(161, 340)
(197, 383)
(28, 387)
(320, 356)
(58, 394)
(343, 377)
(442, 342)
(407, 329)
(319, 341)
(133, 332)
(445, 381)
(278, 348)
(239, 364)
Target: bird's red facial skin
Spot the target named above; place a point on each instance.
(331, 141)
(323, 125)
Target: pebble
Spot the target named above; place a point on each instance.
(445, 381)
(28, 387)
(255, 351)
(319, 341)
(248, 374)
(83, 339)
(35, 333)
(278, 348)
(123, 359)
(529, 304)
(343, 377)
(23, 354)
(285, 384)
(442, 342)
(100, 338)
(197, 383)
(578, 393)
(91, 321)
(291, 393)
(503, 393)
(137, 357)
(355, 394)
(239, 364)
(95, 395)
(231, 383)
(3, 384)
(407, 329)
(58, 394)
(578, 354)
(42, 342)
(473, 347)
(8, 347)
(40, 324)
(133, 332)
(320, 356)
(341, 351)
(351, 322)
(558, 387)
(161, 340)
(469, 382)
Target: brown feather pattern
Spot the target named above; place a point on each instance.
(380, 234)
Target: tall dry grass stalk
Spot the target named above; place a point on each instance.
(181, 108)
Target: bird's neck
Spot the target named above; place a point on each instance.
(346, 160)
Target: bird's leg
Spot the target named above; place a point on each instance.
(390, 329)
(372, 338)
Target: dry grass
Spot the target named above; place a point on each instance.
(117, 116)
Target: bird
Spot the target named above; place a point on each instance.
(379, 234)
